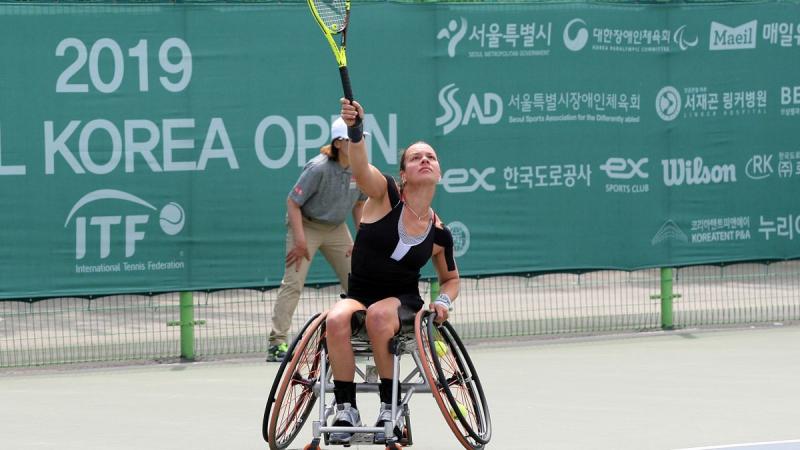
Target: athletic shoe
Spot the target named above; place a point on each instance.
(346, 416)
(276, 353)
(384, 415)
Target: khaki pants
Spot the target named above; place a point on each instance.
(334, 241)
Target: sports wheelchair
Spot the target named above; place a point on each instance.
(443, 369)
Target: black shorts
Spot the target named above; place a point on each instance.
(412, 301)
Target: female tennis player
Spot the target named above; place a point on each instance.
(399, 233)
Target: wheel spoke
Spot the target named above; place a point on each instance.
(455, 384)
(295, 398)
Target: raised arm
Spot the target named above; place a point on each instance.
(368, 178)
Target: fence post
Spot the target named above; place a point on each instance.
(666, 298)
(187, 326)
(434, 290)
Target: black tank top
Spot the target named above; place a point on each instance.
(374, 274)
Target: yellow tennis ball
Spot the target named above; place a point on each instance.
(461, 408)
(441, 348)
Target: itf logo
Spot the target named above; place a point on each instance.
(487, 112)
(668, 103)
(577, 42)
(453, 33)
(171, 219)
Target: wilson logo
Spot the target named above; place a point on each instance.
(724, 37)
(693, 171)
(486, 111)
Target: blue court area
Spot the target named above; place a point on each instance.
(689, 389)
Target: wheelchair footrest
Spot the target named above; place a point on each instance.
(357, 439)
(360, 439)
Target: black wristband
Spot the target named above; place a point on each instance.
(356, 132)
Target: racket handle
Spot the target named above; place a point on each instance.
(348, 91)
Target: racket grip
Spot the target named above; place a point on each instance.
(348, 91)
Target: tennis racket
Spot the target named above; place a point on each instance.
(333, 16)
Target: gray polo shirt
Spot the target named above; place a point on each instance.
(326, 191)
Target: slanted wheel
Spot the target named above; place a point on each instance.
(453, 380)
(292, 396)
(279, 377)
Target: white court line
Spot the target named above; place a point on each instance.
(781, 443)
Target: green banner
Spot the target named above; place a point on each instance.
(151, 147)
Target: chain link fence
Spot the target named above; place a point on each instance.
(231, 322)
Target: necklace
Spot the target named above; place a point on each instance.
(419, 218)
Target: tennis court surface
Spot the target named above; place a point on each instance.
(690, 389)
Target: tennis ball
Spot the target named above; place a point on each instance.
(172, 218)
(461, 408)
(441, 348)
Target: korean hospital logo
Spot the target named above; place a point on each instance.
(576, 35)
(668, 103)
(699, 102)
(454, 32)
(486, 109)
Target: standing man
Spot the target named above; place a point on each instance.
(317, 210)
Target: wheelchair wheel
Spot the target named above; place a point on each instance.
(292, 396)
(454, 381)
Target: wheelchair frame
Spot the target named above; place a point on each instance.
(443, 368)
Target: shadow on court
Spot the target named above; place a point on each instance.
(689, 389)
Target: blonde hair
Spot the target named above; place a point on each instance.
(330, 151)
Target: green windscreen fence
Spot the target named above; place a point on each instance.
(150, 147)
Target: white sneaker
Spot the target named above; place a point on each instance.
(384, 415)
(346, 416)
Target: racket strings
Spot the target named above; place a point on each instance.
(333, 13)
